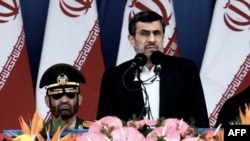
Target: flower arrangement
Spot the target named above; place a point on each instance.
(32, 132)
(111, 128)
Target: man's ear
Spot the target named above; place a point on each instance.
(131, 39)
(79, 99)
(47, 100)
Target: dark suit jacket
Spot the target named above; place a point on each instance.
(181, 93)
(230, 109)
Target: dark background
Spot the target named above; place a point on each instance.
(193, 18)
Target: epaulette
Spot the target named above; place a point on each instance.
(85, 124)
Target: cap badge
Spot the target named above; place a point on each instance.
(62, 79)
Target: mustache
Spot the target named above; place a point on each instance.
(151, 44)
(62, 104)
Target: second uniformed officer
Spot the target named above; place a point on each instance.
(63, 97)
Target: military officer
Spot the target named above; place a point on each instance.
(63, 96)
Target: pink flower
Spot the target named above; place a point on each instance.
(172, 122)
(168, 133)
(176, 123)
(192, 139)
(173, 129)
(108, 123)
(141, 123)
(126, 134)
(91, 136)
(110, 128)
(111, 121)
(148, 139)
(181, 126)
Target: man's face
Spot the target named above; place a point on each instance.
(148, 37)
(64, 105)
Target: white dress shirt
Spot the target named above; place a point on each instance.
(151, 88)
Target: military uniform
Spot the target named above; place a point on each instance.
(78, 124)
(82, 124)
(61, 79)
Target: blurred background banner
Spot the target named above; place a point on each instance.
(226, 63)
(72, 36)
(16, 88)
(162, 7)
(192, 24)
(192, 17)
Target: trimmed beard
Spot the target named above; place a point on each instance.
(65, 114)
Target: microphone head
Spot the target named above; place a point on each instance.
(140, 59)
(156, 57)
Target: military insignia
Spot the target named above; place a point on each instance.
(61, 75)
(86, 124)
(80, 127)
(62, 79)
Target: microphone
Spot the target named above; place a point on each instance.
(139, 60)
(156, 57)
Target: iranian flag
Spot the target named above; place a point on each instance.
(16, 88)
(162, 7)
(72, 36)
(225, 67)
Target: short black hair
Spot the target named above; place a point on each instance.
(144, 16)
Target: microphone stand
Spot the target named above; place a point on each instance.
(146, 106)
(137, 77)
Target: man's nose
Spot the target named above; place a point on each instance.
(64, 98)
(151, 37)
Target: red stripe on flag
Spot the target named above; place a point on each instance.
(16, 95)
